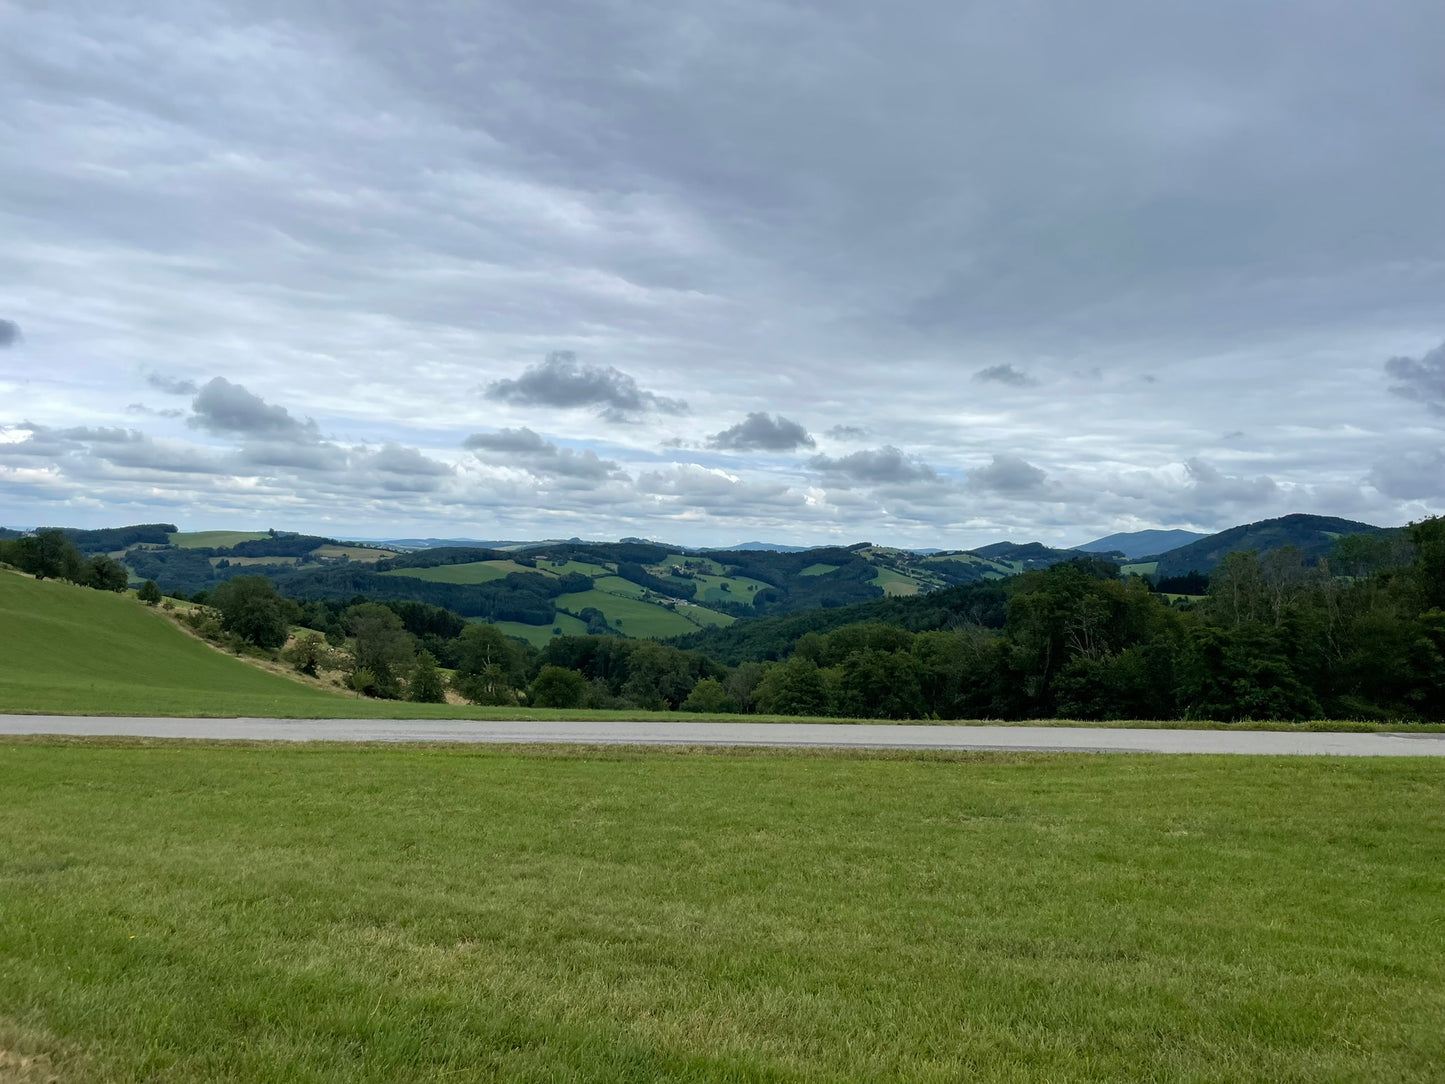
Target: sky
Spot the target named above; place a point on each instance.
(927, 274)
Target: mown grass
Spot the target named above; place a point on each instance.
(71, 650)
(172, 912)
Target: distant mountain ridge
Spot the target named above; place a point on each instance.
(1135, 544)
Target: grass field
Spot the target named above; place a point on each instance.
(1139, 568)
(223, 913)
(538, 635)
(819, 570)
(72, 650)
(895, 583)
(641, 619)
(367, 554)
(206, 539)
(472, 572)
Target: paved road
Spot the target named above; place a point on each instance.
(814, 735)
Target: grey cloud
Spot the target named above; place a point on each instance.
(879, 466)
(395, 459)
(1007, 474)
(171, 385)
(1420, 379)
(514, 441)
(1214, 486)
(1418, 475)
(141, 408)
(562, 381)
(292, 455)
(848, 432)
(114, 445)
(9, 333)
(761, 432)
(1004, 374)
(525, 448)
(222, 407)
(141, 452)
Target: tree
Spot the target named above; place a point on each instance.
(309, 653)
(363, 681)
(382, 646)
(795, 687)
(251, 608)
(106, 574)
(491, 687)
(424, 685)
(708, 695)
(149, 593)
(46, 555)
(555, 687)
(488, 666)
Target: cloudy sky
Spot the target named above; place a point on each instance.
(932, 273)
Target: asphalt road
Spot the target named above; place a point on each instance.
(801, 735)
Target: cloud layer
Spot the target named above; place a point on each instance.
(814, 273)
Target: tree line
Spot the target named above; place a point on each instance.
(51, 555)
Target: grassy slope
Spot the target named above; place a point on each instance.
(539, 635)
(73, 650)
(261, 913)
(638, 618)
(217, 539)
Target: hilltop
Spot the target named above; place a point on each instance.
(1313, 536)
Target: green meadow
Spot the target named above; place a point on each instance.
(195, 912)
(539, 635)
(471, 572)
(642, 619)
(71, 650)
(216, 539)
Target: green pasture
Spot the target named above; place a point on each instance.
(471, 573)
(539, 635)
(643, 620)
(585, 568)
(195, 912)
(895, 583)
(742, 589)
(1139, 568)
(616, 585)
(352, 553)
(213, 539)
(819, 570)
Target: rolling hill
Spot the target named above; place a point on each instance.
(1315, 536)
(1137, 544)
(69, 649)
